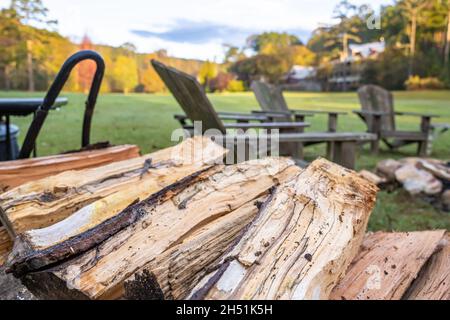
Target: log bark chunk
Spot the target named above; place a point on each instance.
(5, 245)
(15, 173)
(301, 242)
(417, 181)
(433, 282)
(42, 203)
(386, 265)
(387, 168)
(372, 177)
(154, 226)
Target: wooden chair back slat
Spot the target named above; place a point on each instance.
(375, 98)
(270, 98)
(190, 96)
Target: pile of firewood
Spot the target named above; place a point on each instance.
(426, 178)
(163, 226)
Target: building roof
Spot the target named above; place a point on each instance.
(302, 72)
(367, 49)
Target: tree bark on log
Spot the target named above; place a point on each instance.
(301, 242)
(154, 226)
(42, 203)
(5, 245)
(433, 282)
(387, 265)
(15, 173)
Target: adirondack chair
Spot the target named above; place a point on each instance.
(260, 116)
(193, 100)
(271, 99)
(377, 111)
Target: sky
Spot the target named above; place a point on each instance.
(195, 29)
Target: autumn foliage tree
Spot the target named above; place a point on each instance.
(125, 74)
(86, 69)
(220, 82)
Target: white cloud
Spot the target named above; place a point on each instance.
(111, 22)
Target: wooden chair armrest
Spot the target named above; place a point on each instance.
(227, 113)
(319, 112)
(272, 111)
(371, 113)
(415, 114)
(272, 114)
(243, 117)
(180, 117)
(267, 125)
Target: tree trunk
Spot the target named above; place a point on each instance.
(413, 42)
(301, 242)
(41, 203)
(447, 44)
(30, 68)
(153, 227)
(387, 265)
(7, 73)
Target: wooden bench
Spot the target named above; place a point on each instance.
(193, 100)
(345, 143)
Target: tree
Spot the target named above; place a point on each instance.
(412, 10)
(446, 6)
(262, 67)
(343, 10)
(220, 82)
(125, 74)
(233, 54)
(86, 69)
(208, 71)
(30, 11)
(302, 56)
(272, 42)
(10, 38)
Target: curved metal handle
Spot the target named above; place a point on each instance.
(54, 91)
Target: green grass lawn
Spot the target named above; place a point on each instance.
(147, 120)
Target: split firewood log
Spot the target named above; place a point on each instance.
(386, 265)
(17, 172)
(173, 274)
(44, 202)
(149, 229)
(417, 181)
(301, 242)
(386, 168)
(433, 282)
(372, 177)
(439, 170)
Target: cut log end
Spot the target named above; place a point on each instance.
(387, 265)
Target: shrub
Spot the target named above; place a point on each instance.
(390, 70)
(236, 86)
(220, 82)
(417, 83)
